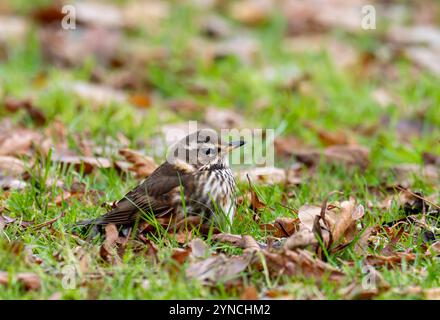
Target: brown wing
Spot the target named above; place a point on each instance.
(151, 196)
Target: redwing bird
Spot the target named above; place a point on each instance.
(194, 180)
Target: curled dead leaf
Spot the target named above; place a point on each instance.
(107, 250)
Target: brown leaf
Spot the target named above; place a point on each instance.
(349, 155)
(66, 48)
(389, 261)
(184, 106)
(285, 146)
(217, 269)
(265, 175)
(245, 241)
(251, 12)
(405, 173)
(322, 15)
(340, 219)
(30, 281)
(249, 293)
(180, 255)
(233, 239)
(250, 244)
(301, 239)
(199, 249)
(330, 138)
(223, 118)
(108, 248)
(421, 45)
(142, 101)
(355, 292)
(98, 95)
(183, 237)
(285, 227)
(14, 105)
(300, 262)
(10, 166)
(19, 141)
(345, 219)
(142, 166)
(78, 162)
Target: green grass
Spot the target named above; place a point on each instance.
(340, 100)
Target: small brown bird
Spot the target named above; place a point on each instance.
(194, 180)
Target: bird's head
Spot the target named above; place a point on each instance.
(201, 150)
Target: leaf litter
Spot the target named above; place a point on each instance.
(308, 240)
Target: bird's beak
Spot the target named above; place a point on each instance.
(234, 145)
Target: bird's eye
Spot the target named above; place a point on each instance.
(208, 151)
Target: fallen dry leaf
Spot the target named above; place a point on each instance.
(233, 239)
(184, 106)
(107, 250)
(338, 228)
(217, 269)
(282, 227)
(223, 118)
(87, 163)
(421, 44)
(63, 47)
(330, 138)
(404, 174)
(299, 262)
(389, 261)
(30, 281)
(249, 293)
(251, 12)
(142, 166)
(268, 175)
(140, 100)
(199, 249)
(323, 15)
(19, 141)
(349, 155)
(244, 242)
(99, 95)
(10, 166)
(180, 255)
(301, 239)
(14, 105)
